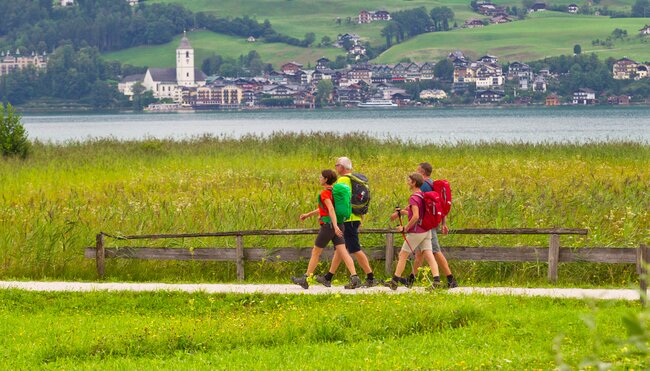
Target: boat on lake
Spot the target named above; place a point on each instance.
(377, 103)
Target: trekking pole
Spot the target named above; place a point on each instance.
(399, 215)
(409, 244)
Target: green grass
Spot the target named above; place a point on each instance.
(201, 331)
(206, 44)
(544, 34)
(54, 203)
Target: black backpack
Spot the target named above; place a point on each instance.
(360, 193)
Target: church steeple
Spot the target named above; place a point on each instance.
(185, 63)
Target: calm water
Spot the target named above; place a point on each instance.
(535, 125)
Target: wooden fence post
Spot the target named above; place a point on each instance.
(99, 254)
(642, 260)
(240, 258)
(553, 257)
(390, 253)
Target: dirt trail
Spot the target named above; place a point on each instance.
(606, 294)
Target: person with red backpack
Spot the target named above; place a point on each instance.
(333, 208)
(442, 188)
(417, 234)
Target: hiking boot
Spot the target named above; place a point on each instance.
(355, 282)
(324, 281)
(392, 284)
(452, 284)
(301, 281)
(370, 282)
(410, 280)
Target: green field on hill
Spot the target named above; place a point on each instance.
(543, 34)
(540, 35)
(206, 44)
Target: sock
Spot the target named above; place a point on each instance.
(450, 278)
(370, 276)
(436, 279)
(329, 275)
(353, 275)
(412, 277)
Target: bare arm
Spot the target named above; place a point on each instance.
(309, 214)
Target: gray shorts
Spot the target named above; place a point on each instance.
(435, 245)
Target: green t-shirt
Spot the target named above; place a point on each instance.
(346, 180)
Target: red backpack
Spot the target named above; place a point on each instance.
(431, 216)
(443, 189)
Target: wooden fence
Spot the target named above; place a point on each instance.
(553, 254)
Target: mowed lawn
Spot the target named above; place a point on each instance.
(206, 44)
(167, 330)
(545, 34)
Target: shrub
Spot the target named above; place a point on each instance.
(13, 137)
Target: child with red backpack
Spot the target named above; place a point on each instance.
(417, 235)
(333, 208)
(443, 189)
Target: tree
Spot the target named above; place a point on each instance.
(444, 70)
(310, 37)
(325, 41)
(641, 9)
(13, 137)
(323, 92)
(441, 16)
(528, 4)
(577, 49)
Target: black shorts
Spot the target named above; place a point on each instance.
(326, 234)
(351, 234)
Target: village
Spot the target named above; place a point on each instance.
(359, 85)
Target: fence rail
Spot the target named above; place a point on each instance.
(553, 254)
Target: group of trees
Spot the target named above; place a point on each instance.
(412, 22)
(114, 25)
(81, 76)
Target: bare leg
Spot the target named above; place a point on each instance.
(428, 255)
(419, 258)
(362, 258)
(442, 262)
(336, 261)
(313, 261)
(347, 259)
(401, 263)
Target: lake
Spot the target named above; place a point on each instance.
(452, 125)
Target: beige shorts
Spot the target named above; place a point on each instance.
(418, 242)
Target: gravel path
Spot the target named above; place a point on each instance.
(619, 294)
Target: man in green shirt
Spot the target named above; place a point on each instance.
(351, 233)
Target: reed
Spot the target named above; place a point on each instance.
(54, 203)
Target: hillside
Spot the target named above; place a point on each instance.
(540, 35)
(206, 43)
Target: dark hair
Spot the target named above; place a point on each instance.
(329, 175)
(417, 178)
(428, 169)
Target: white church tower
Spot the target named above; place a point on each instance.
(185, 63)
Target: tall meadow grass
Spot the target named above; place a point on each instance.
(54, 203)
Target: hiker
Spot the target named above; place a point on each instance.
(416, 238)
(330, 230)
(425, 169)
(351, 232)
